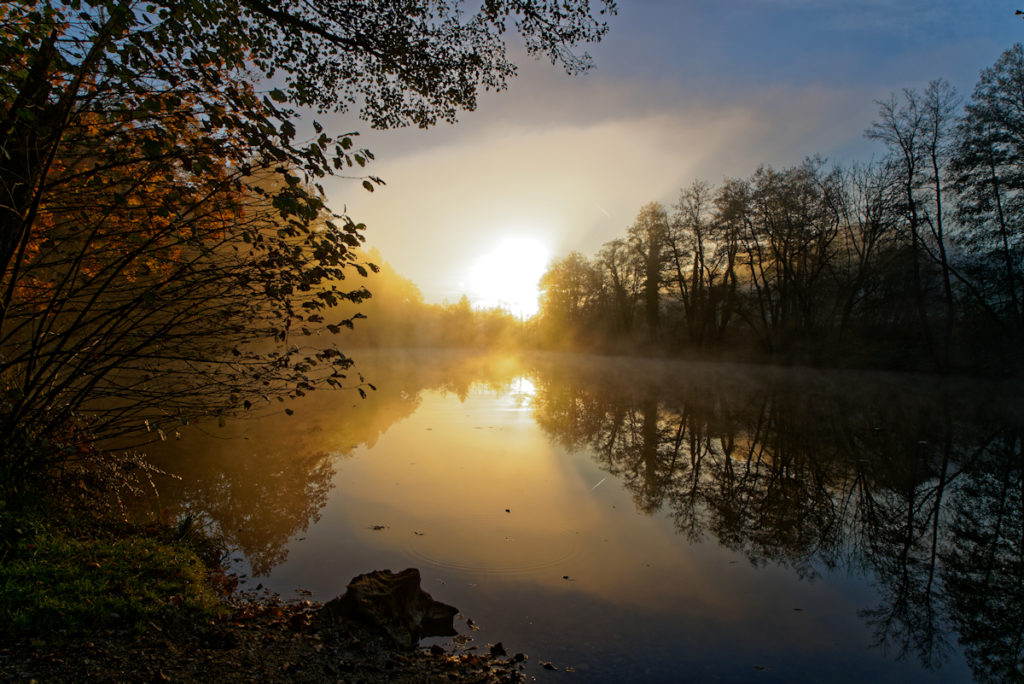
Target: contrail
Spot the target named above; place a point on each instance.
(598, 484)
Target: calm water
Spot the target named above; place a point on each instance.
(637, 521)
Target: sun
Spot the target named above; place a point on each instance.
(507, 276)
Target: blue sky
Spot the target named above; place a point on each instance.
(681, 90)
(794, 41)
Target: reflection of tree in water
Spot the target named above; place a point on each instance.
(261, 482)
(263, 500)
(917, 493)
(983, 566)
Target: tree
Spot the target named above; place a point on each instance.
(914, 131)
(570, 293)
(729, 203)
(788, 247)
(623, 275)
(866, 211)
(695, 261)
(163, 231)
(940, 104)
(988, 167)
(647, 238)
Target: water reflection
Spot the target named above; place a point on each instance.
(921, 490)
(261, 482)
(914, 485)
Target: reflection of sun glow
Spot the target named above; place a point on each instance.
(507, 277)
(524, 386)
(521, 393)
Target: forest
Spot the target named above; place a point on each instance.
(910, 261)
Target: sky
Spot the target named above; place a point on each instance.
(681, 90)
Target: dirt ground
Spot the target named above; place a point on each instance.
(263, 640)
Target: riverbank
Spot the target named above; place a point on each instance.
(89, 594)
(263, 641)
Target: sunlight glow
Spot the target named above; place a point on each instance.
(523, 386)
(520, 395)
(507, 277)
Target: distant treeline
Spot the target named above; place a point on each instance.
(397, 316)
(911, 261)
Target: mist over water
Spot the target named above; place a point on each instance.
(647, 521)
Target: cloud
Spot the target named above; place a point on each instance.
(573, 176)
(682, 91)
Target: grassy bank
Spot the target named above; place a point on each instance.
(71, 564)
(89, 594)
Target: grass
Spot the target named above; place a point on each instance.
(72, 573)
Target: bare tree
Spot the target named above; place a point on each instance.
(647, 237)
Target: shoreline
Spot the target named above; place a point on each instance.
(87, 595)
(261, 640)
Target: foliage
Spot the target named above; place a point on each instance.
(989, 177)
(166, 251)
(571, 290)
(405, 62)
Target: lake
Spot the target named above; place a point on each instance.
(636, 520)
